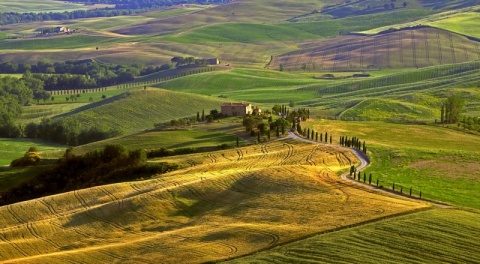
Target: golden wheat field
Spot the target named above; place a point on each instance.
(221, 205)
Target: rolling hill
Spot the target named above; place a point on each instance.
(414, 47)
(223, 204)
(140, 110)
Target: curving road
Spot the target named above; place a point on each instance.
(364, 163)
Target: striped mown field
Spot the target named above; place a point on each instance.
(222, 204)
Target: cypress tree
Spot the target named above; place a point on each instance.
(442, 113)
(203, 115)
(308, 133)
(370, 179)
(331, 139)
(313, 134)
(364, 177)
(326, 137)
(321, 137)
(278, 132)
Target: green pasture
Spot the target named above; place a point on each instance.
(176, 11)
(27, 6)
(440, 162)
(35, 113)
(462, 23)
(18, 76)
(170, 139)
(252, 33)
(233, 85)
(381, 109)
(435, 236)
(11, 149)
(63, 42)
(106, 23)
(140, 110)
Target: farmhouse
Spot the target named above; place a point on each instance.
(61, 29)
(214, 61)
(239, 109)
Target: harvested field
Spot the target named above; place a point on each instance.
(223, 204)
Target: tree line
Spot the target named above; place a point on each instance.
(83, 74)
(72, 172)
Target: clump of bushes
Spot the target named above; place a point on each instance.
(31, 158)
(71, 172)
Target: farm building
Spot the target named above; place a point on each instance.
(214, 61)
(61, 29)
(239, 109)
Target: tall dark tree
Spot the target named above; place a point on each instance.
(453, 108)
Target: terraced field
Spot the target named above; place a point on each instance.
(407, 48)
(221, 205)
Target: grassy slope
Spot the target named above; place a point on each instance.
(462, 21)
(229, 203)
(435, 236)
(140, 110)
(261, 86)
(414, 48)
(15, 148)
(26, 6)
(442, 163)
(165, 139)
(414, 97)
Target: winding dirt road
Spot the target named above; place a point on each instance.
(364, 163)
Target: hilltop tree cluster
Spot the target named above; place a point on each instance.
(72, 172)
(451, 110)
(14, 93)
(179, 61)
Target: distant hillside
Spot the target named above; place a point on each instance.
(407, 48)
(140, 110)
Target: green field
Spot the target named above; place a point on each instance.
(11, 149)
(64, 42)
(463, 21)
(439, 236)
(26, 6)
(440, 162)
(107, 23)
(189, 138)
(140, 110)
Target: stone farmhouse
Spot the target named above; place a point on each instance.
(239, 109)
(61, 29)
